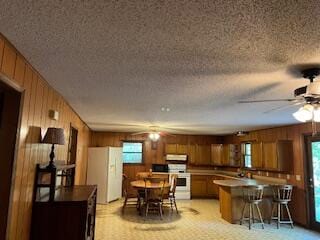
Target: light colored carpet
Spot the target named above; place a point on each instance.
(198, 219)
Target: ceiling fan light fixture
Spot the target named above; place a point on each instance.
(316, 114)
(304, 113)
(154, 136)
(241, 133)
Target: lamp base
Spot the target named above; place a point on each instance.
(51, 164)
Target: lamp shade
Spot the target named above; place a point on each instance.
(54, 136)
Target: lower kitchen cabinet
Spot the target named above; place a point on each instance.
(202, 186)
(212, 189)
(198, 186)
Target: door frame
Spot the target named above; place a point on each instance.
(7, 81)
(73, 170)
(308, 139)
(70, 138)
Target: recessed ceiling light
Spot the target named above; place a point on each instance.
(165, 109)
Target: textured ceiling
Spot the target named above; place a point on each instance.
(119, 62)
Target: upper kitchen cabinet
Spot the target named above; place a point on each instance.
(256, 155)
(216, 154)
(225, 155)
(170, 148)
(272, 156)
(278, 155)
(182, 149)
(203, 155)
(269, 155)
(173, 148)
(192, 154)
(231, 155)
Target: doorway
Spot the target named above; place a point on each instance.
(72, 155)
(9, 119)
(313, 180)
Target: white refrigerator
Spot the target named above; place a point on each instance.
(105, 170)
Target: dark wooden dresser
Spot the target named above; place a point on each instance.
(70, 216)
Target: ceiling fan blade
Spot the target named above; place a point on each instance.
(140, 133)
(167, 134)
(270, 100)
(284, 107)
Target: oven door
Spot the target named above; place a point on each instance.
(183, 183)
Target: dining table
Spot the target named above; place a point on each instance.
(141, 184)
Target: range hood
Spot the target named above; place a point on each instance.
(176, 157)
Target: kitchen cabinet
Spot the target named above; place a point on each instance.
(203, 155)
(202, 186)
(198, 186)
(278, 155)
(212, 188)
(234, 155)
(269, 155)
(173, 148)
(192, 154)
(256, 155)
(272, 156)
(225, 155)
(182, 149)
(216, 154)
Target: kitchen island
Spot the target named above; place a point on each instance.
(231, 197)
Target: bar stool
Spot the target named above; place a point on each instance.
(281, 197)
(252, 196)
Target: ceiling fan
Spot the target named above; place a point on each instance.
(308, 95)
(154, 133)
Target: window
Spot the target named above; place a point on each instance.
(132, 152)
(247, 155)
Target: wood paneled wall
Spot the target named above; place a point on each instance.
(295, 133)
(102, 139)
(38, 99)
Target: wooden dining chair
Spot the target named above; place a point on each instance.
(171, 194)
(154, 197)
(127, 200)
(143, 175)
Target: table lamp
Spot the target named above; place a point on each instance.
(53, 136)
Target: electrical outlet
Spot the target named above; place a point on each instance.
(288, 176)
(298, 177)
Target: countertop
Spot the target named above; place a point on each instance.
(218, 173)
(244, 182)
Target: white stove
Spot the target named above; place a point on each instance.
(183, 189)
